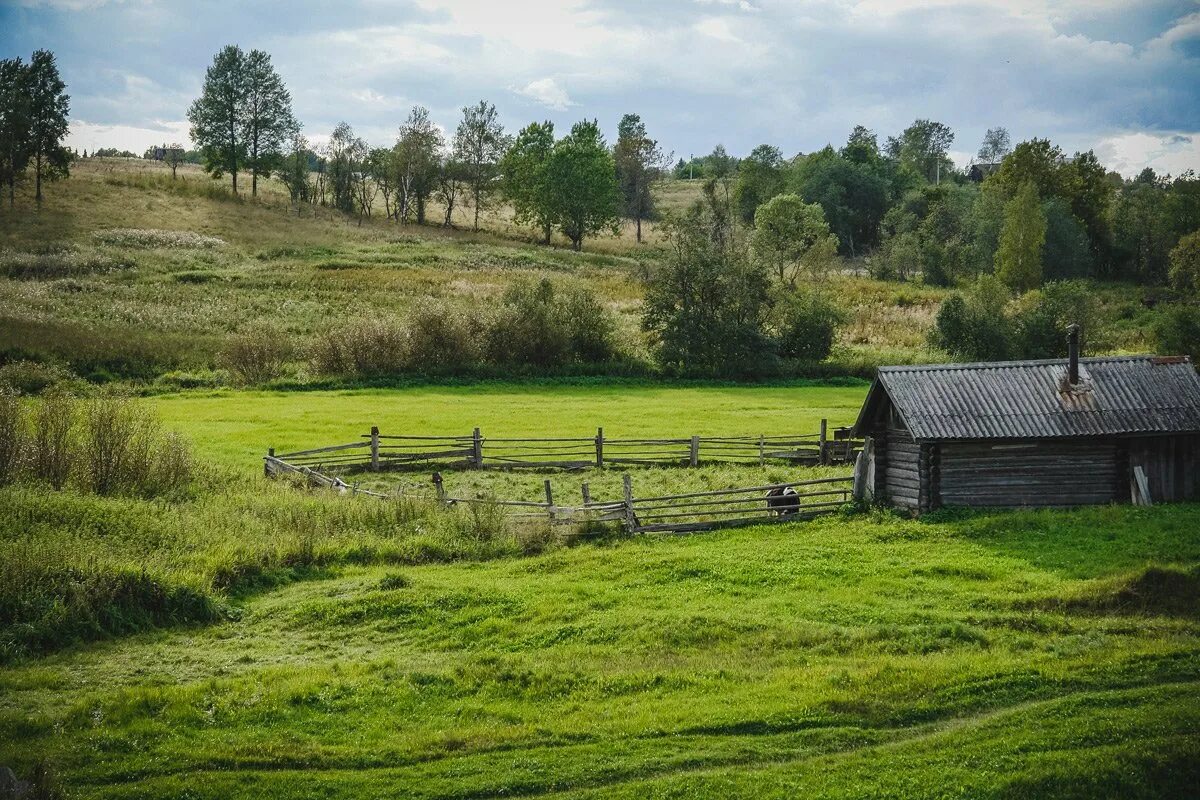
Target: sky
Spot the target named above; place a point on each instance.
(1120, 77)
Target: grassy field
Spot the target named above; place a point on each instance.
(1007, 655)
(240, 637)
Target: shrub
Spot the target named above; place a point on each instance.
(806, 327)
(592, 329)
(974, 326)
(442, 338)
(57, 264)
(12, 436)
(1041, 318)
(363, 348)
(33, 377)
(1177, 331)
(530, 328)
(256, 355)
(52, 453)
(124, 451)
(1185, 264)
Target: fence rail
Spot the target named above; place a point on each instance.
(678, 513)
(377, 451)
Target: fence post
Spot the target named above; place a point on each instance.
(599, 448)
(477, 449)
(587, 493)
(375, 448)
(630, 519)
(441, 489)
(549, 499)
(267, 464)
(762, 454)
(823, 453)
(694, 454)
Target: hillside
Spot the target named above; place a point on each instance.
(141, 305)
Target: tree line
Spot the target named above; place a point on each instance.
(33, 122)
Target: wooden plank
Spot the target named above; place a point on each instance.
(331, 449)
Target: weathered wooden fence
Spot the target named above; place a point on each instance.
(679, 513)
(377, 451)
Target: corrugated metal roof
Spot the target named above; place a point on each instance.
(1032, 399)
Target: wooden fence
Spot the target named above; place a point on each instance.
(376, 451)
(679, 513)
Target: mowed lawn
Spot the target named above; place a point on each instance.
(994, 655)
(236, 428)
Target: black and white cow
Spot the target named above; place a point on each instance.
(783, 501)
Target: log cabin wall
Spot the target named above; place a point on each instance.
(1172, 465)
(902, 472)
(1068, 472)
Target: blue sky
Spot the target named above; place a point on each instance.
(1118, 76)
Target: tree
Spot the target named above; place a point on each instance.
(996, 145)
(345, 154)
(268, 122)
(453, 176)
(582, 184)
(1185, 264)
(1067, 252)
(218, 116)
(14, 123)
(48, 108)
(1019, 258)
(294, 171)
(707, 303)
(640, 162)
(1037, 161)
(479, 144)
(173, 154)
(792, 238)
(1086, 187)
(862, 147)
(418, 155)
(759, 178)
(922, 148)
(853, 195)
(523, 173)
(806, 324)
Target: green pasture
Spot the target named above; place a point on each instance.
(235, 429)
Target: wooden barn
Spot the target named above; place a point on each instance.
(1062, 432)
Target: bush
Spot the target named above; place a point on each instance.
(33, 377)
(256, 355)
(124, 452)
(543, 325)
(973, 327)
(1177, 331)
(806, 326)
(52, 453)
(1185, 264)
(363, 348)
(12, 436)
(442, 338)
(1041, 318)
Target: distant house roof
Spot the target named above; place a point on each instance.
(1032, 399)
(981, 169)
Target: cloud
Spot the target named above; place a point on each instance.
(1167, 154)
(84, 135)
(794, 73)
(548, 93)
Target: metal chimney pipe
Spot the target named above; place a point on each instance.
(1073, 353)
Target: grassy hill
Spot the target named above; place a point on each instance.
(239, 637)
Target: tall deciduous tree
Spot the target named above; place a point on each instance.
(14, 123)
(48, 108)
(640, 163)
(759, 178)
(922, 148)
(174, 154)
(218, 116)
(268, 120)
(582, 183)
(294, 173)
(791, 238)
(1019, 258)
(479, 144)
(524, 177)
(996, 145)
(418, 157)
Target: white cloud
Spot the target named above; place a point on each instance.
(1165, 153)
(84, 135)
(718, 28)
(548, 93)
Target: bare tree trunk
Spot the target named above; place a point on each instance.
(38, 177)
(476, 208)
(639, 229)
